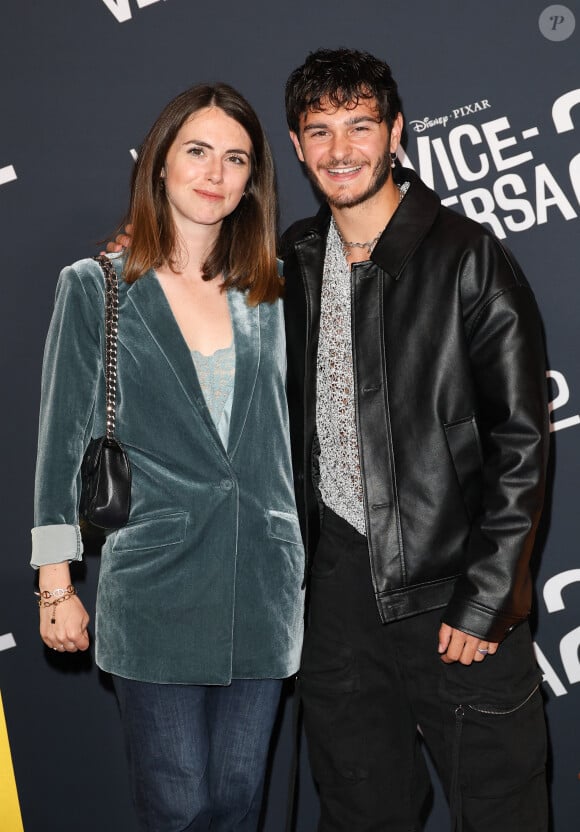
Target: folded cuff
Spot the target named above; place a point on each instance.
(55, 544)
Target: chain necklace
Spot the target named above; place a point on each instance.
(369, 244)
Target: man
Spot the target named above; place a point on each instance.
(416, 383)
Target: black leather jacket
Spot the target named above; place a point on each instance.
(451, 406)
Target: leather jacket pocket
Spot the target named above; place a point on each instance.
(465, 449)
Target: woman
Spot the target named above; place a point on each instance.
(199, 605)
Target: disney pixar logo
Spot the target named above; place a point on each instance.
(121, 9)
(420, 125)
(468, 153)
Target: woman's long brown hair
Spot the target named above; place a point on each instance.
(245, 251)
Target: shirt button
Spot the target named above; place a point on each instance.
(226, 485)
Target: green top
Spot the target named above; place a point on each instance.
(216, 374)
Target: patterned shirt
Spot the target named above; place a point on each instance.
(340, 477)
(341, 486)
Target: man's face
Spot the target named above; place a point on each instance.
(347, 151)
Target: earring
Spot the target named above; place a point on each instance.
(393, 159)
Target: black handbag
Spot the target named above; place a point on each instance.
(105, 471)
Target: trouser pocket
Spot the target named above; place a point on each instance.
(329, 685)
(498, 750)
(497, 739)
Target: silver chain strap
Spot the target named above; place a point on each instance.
(111, 333)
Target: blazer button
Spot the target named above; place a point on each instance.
(226, 485)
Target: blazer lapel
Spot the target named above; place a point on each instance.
(246, 326)
(148, 299)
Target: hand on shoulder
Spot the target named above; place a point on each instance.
(121, 241)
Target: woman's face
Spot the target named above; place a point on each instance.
(207, 169)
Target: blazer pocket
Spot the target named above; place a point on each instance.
(465, 449)
(283, 525)
(162, 530)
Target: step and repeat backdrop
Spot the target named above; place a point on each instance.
(491, 95)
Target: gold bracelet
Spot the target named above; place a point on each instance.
(61, 596)
(56, 593)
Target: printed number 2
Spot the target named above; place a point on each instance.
(562, 397)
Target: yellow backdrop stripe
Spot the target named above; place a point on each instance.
(10, 817)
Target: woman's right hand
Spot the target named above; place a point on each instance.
(69, 631)
(63, 626)
(121, 240)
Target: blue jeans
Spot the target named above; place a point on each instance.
(197, 753)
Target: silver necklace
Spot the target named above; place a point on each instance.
(369, 244)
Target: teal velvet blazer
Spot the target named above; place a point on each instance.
(204, 583)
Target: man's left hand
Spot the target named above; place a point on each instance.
(457, 646)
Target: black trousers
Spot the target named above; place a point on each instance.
(369, 690)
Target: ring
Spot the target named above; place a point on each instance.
(482, 650)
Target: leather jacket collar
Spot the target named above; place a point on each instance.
(408, 227)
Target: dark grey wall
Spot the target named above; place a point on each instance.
(81, 83)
